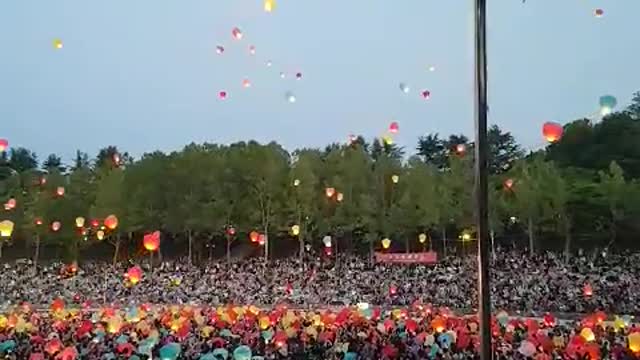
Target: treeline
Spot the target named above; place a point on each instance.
(580, 192)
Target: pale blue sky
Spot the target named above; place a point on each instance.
(144, 75)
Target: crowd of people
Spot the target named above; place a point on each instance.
(321, 309)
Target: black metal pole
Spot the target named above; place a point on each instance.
(481, 178)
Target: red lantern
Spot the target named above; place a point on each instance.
(55, 226)
(151, 241)
(394, 127)
(549, 320)
(254, 235)
(328, 251)
(95, 223)
(134, 274)
(508, 184)
(262, 240)
(426, 94)
(4, 145)
(60, 191)
(329, 191)
(552, 131)
(111, 222)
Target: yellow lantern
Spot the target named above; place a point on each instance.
(57, 43)
(634, 342)
(386, 243)
(395, 179)
(269, 5)
(79, 221)
(100, 234)
(587, 334)
(6, 228)
(296, 182)
(340, 197)
(295, 230)
(422, 238)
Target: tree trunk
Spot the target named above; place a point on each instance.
(228, 250)
(266, 243)
(190, 247)
(36, 255)
(406, 244)
(492, 234)
(371, 252)
(1, 245)
(531, 234)
(444, 241)
(567, 239)
(116, 250)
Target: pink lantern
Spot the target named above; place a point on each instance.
(246, 83)
(222, 95)
(151, 241)
(219, 49)
(426, 94)
(262, 240)
(134, 274)
(11, 204)
(4, 145)
(394, 127)
(236, 33)
(55, 226)
(508, 184)
(552, 131)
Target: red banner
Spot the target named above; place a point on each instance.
(429, 257)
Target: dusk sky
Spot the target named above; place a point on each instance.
(144, 74)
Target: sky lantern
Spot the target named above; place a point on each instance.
(222, 95)
(116, 159)
(254, 235)
(422, 238)
(246, 83)
(60, 191)
(386, 243)
(151, 241)
(111, 222)
(587, 334)
(339, 197)
(326, 241)
(4, 145)
(634, 342)
(295, 230)
(252, 49)
(43, 181)
(438, 324)
(11, 204)
(296, 182)
(38, 221)
(57, 44)
(269, 5)
(352, 139)
(329, 192)
(79, 221)
(395, 178)
(236, 33)
(404, 88)
(262, 239)
(387, 139)
(231, 230)
(100, 235)
(298, 76)
(587, 290)
(291, 98)
(394, 127)
(219, 49)
(426, 94)
(134, 274)
(552, 131)
(461, 148)
(6, 228)
(607, 104)
(282, 75)
(269, 63)
(598, 12)
(508, 184)
(55, 226)
(95, 223)
(432, 68)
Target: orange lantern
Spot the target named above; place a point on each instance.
(134, 274)
(329, 192)
(79, 221)
(60, 191)
(254, 235)
(4, 145)
(552, 131)
(151, 241)
(111, 222)
(634, 342)
(56, 225)
(587, 334)
(438, 324)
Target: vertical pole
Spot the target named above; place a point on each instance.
(481, 185)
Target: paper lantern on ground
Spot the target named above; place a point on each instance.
(79, 221)
(269, 5)
(134, 274)
(111, 222)
(552, 131)
(394, 127)
(607, 104)
(386, 243)
(6, 228)
(329, 192)
(253, 236)
(55, 226)
(236, 33)
(60, 191)
(100, 235)
(422, 238)
(326, 241)
(151, 241)
(295, 230)
(4, 145)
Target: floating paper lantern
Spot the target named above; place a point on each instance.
(95, 223)
(262, 239)
(60, 191)
(395, 178)
(220, 49)
(394, 127)
(253, 236)
(290, 97)
(552, 131)
(326, 241)
(634, 342)
(352, 139)
(328, 251)
(43, 180)
(283, 75)
(269, 63)
(296, 182)
(598, 13)
(55, 226)
(236, 33)
(79, 221)
(252, 50)
(11, 204)
(246, 83)
(508, 184)
(329, 192)
(387, 139)
(38, 221)
(151, 241)
(340, 197)
(100, 235)
(426, 94)
(587, 290)
(222, 95)
(269, 5)
(4, 145)
(432, 68)
(404, 88)
(295, 230)
(298, 76)
(6, 228)
(111, 222)
(134, 274)
(438, 324)
(57, 44)
(386, 243)
(587, 334)
(607, 104)
(422, 238)
(231, 230)
(461, 148)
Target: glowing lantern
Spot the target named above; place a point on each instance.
(387, 139)
(4, 145)
(328, 251)
(465, 236)
(587, 290)
(508, 184)
(95, 223)
(57, 44)
(56, 225)
(352, 139)
(607, 103)
(79, 221)
(438, 324)
(296, 182)
(116, 159)
(60, 191)
(252, 50)
(11, 204)
(634, 342)
(587, 334)
(295, 230)
(269, 5)
(329, 192)
(386, 243)
(290, 97)
(282, 75)
(231, 230)
(552, 131)
(220, 49)
(236, 33)
(461, 148)
(222, 95)
(100, 235)
(43, 180)
(326, 241)
(395, 179)
(422, 238)
(298, 76)
(254, 235)
(134, 274)
(111, 222)
(394, 127)
(426, 94)
(151, 241)
(432, 68)
(246, 83)
(6, 228)
(38, 221)
(404, 88)
(269, 63)
(262, 239)
(598, 13)
(339, 197)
